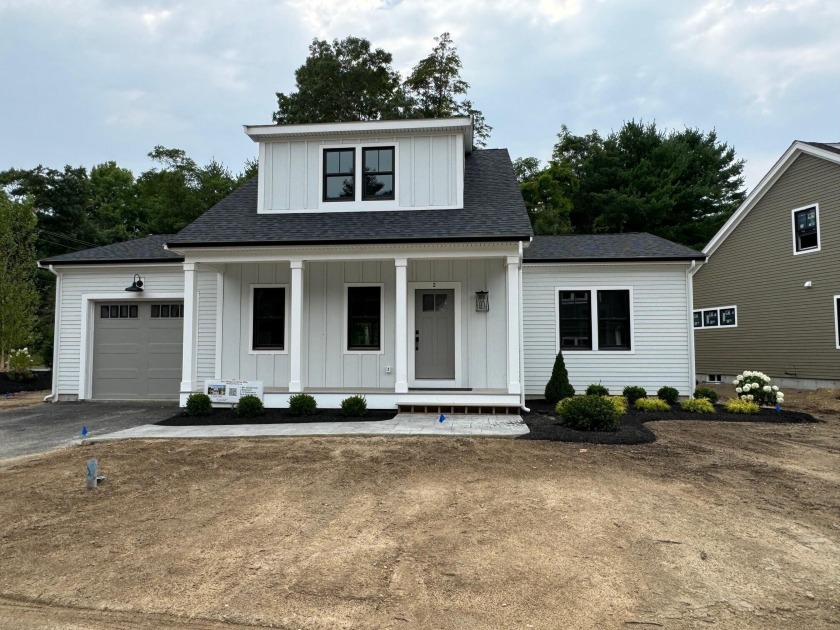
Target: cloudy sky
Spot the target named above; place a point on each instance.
(84, 81)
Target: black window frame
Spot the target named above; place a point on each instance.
(837, 321)
(392, 173)
(808, 232)
(375, 316)
(326, 174)
(587, 319)
(258, 320)
(718, 312)
(604, 322)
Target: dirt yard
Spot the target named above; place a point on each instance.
(716, 525)
(22, 399)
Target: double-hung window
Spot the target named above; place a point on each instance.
(379, 173)
(340, 174)
(595, 319)
(806, 229)
(268, 324)
(364, 318)
(374, 181)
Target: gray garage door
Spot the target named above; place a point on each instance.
(137, 350)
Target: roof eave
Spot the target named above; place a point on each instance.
(121, 261)
(651, 259)
(175, 246)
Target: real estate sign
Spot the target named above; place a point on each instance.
(231, 391)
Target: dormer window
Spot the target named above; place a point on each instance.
(806, 232)
(339, 174)
(379, 173)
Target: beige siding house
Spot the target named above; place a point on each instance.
(767, 297)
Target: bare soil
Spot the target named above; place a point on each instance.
(22, 399)
(715, 525)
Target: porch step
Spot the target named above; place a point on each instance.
(459, 410)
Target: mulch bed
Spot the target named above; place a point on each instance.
(272, 416)
(42, 379)
(544, 425)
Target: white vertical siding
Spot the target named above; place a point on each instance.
(98, 280)
(205, 355)
(660, 327)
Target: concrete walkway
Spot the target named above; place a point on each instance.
(402, 424)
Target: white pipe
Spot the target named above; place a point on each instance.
(689, 287)
(54, 393)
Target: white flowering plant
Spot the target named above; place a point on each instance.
(20, 365)
(755, 387)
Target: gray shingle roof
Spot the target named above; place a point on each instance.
(827, 147)
(493, 210)
(145, 250)
(632, 247)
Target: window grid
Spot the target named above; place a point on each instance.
(805, 229)
(339, 175)
(716, 317)
(378, 164)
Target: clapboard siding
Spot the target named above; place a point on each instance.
(77, 282)
(660, 327)
(784, 329)
(205, 356)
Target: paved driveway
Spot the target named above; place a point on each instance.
(44, 426)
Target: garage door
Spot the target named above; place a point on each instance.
(137, 350)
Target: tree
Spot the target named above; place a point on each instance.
(546, 195)
(558, 386)
(18, 295)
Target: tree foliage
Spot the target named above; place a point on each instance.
(681, 185)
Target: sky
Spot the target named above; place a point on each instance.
(87, 81)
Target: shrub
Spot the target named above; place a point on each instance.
(620, 403)
(249, 407)
(633, 393)
(596, 389)
(652, 404)
(199, 405)
(669, 394)
(20, 365)
(705, 392)
(302, 405)
(589, 413)
(698, 405)
(558, 386)
(755, 387)
(739, 405)
(354, 406)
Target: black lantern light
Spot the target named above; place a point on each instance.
(136, 285)
(482, 301)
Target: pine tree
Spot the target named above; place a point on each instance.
(558, 386)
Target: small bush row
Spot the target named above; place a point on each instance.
(200, 405)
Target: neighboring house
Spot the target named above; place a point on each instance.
(382, 258)
(768, 298)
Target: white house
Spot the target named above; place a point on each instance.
(383, 258)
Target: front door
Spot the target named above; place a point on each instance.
(434, 334)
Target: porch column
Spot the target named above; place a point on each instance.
(295, 327)
(513, 342)
(188, 356)
(401, 327)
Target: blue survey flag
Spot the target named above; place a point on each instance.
(442, 418)
(84, 431)
(778, 408)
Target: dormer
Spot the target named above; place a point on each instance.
(369, 166)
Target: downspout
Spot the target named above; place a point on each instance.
(689, 285)
(53, 396)
(521, 333)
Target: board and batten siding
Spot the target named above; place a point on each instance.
(784, 329)
(325, 364)
(94, 280)
(660, 324)
(426, 171)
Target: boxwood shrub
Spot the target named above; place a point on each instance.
(589, 413)
(669, 394)
(302, 405)
(596, 389)
(705, 392)
(698, 405)
(652, 404)
(632, 393)
(199, 405)
(249, 407)
(354, 407)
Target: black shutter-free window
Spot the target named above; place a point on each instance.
(269, 318)
(575, 320)
(614, 320)
(339, 174)
(805, 227)
(364, 318)
(378, 173)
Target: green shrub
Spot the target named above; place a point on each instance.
(652, 404)
(633, 393)
(669, 394)
(558, 386)
(705, 392)
(620, 403)
(354, 407)
(596, 389)
(20, 365)
(302, 405)
(199, 405)
(249, 407)
(739, 405)
(589, 413)
(697, 405)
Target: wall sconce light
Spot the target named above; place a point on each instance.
(482, 302)
(136, 285)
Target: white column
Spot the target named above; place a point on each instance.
(401, 327)
(296, 327)
(513, 341)
(188, 358)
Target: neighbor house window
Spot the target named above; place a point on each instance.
(806, 233)
(339, 174)
(364, 318)
(268, 318)
(379, 173)
(595, 319)
(718, 317)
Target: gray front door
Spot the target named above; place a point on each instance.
(434, 335)
(137, 350)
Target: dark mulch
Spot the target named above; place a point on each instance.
(42, 379)
(544, 425)
(272, 416)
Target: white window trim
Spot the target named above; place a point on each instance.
(836, 322)
(718, 309)
(810, 250)
(344, 319)
(358, 204)
(594, 321)
(286, 301)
